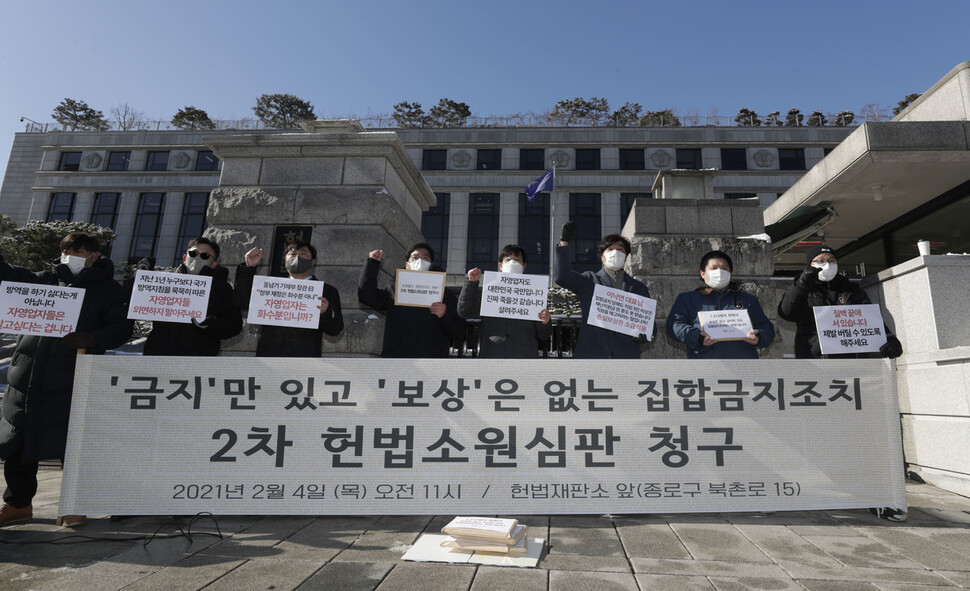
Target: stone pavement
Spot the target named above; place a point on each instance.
(813, 550)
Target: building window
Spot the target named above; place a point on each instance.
(434, 160)
(70, 161)
(489, 160)
(118, 161)
(627, 200)
(157, 161)
(587, 159)
(532, 159)
(206, 160)
(631, 159)
(734, 159)
(434, 227)
(61, 208)
(689, 158)
(193, 220)
(148, 220)
(483, 230)
(534, 232)
(584, 210)
(105, 214)
(791, 158)
(740, 195)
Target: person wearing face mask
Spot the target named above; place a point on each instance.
(37, 403)
(504, 338)
(821, 285)
(222, 321)
(287, 341)
(595, 342)
(409, 331)
(718, 293)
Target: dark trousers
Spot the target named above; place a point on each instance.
(21, 481)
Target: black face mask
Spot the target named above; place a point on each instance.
(298, 265)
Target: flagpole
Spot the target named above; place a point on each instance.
(552, 225)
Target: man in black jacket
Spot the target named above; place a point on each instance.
(222, 320)
(37, 403)
(289, 341)
(411, 332)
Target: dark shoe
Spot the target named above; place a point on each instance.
(889, 513)
(71, 520)
(11, 514)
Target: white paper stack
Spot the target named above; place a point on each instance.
(485, 534)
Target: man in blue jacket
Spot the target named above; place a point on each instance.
(595, 342)
(718, 293)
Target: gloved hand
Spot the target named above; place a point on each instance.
(809, 277)
(80, 340)
(203, 324)
(892, 349)
(568, 231)
(640, 339)
(146, 264)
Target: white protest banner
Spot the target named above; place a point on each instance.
(622, 312)
(285, 302)
(169, 297)
(418, 288)
(849, 329)
(41, 310)
(513, 295)
(725, 325)
(468, 436)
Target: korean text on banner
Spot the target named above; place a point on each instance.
(512, 295)
(169, 297)
(622, 312)
(725, 325)
(41, 310)
(472, 436)
(418, 288)
(849, 329)
(285, 302)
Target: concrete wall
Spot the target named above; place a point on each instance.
(925, 302)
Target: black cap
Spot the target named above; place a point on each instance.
(814, 251)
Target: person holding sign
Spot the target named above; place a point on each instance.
(222, 320)
(504, 338)
(37, 403)
(742, 329)
(595, 342)
(288, 341)
(411, 331)
(820, 284)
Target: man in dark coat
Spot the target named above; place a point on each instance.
(37, 404)
(595, 342)
(504, 338)
(222, 321)
(290, 341)
(409, 331)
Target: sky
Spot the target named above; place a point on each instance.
(358, 58)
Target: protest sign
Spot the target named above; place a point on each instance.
(622, 312)
(418, 288)
(513, 295)
(849, 329)
(169, 297)
(725, 325)
(151, 435)
(40, 310)
(285, 302)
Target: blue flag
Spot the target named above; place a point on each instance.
(543, 183)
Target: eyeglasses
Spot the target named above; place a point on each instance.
(202, 255)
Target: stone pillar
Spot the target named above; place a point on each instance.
(358, 191)
(669, 237)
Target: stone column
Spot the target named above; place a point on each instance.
(358, 191)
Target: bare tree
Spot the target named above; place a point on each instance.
(126, 117)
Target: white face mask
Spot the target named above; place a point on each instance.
(75, 264)
(828, 271)
(194, 265)
(419, 265)
(512, 267)
(717, 278)
(614, 259)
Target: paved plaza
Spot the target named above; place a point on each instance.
(814, 550)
